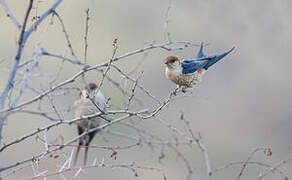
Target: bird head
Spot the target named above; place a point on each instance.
(172, 62)
(90, 90)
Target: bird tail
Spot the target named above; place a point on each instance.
(85, 154)
(77, 152)
(80, 143)
(201, 53)
(214, 59)
(90, 137)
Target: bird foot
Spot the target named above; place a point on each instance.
(183, 90)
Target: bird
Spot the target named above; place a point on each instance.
(91, 101)
(188, 73)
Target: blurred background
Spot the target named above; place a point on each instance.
(244, 102)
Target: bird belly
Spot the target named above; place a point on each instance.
(186, 80)
(85, 109)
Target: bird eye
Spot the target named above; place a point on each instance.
(172, 61)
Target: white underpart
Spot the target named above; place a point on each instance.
(97, 97)
(177, 69)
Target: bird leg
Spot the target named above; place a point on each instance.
(184, 89)
(176, 89)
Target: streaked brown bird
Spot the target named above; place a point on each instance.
(91, 101)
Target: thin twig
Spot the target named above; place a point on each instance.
(250, 163)
(133, 92)
(132, 167)
(138, 85)
(200, 144)
(115, 47)
(166, 46)
(275, 168)
(166, 22)
(46, 53)
(41, 155)
(244, 166)
(38, 130)
(66, 34)
(45, 115)
(85, 36)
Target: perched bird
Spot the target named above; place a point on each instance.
(91, 101)
(187, 73)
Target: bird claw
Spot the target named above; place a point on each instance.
(183, 90)
(174, 93)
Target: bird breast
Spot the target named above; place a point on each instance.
(85, 107)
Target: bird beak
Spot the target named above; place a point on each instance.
(166, 62)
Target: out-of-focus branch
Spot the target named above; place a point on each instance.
(66, 34)
(166, 22)
(275, 168)
(39, 156)
(115, 47)
(247, 160)
(201, 145)
(21, 43)
(132, 93)
(86, 35)
(249, 163)
(162, 105)
(12, 75)
(162, 142)
(27, 75)
(45, 115)
(100, 147)
(68, 122)
(39, 20)
(138, 85)
(132, 167)
(77, 62)
(10, 14)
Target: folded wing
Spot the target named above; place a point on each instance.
(202, 61)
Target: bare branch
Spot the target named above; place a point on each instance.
(9, 14)
(66, 34)
(133, 92)
(77, 62)
(275, 168)
(39, 20)
(132, 167)
(39, 156)
(27, 75)
(247, 160)
(85, 36)
(131, 113)
(249, 163)
(115, 47)
(9, 83)
(74, 77)
(138, 85)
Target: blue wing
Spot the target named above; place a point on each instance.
(202, 61)
(191, 66)
(214, 59)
